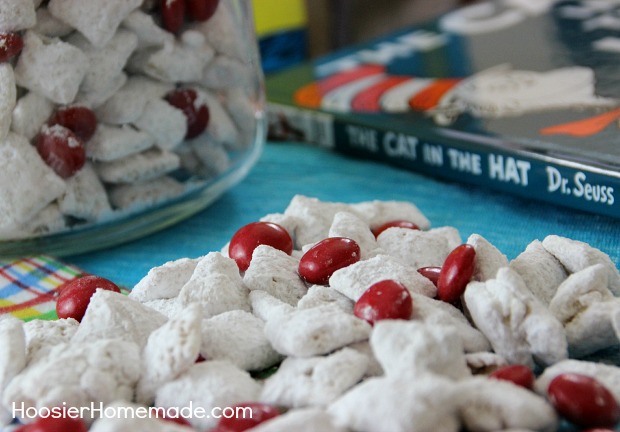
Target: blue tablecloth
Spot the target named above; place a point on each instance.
(287, 169)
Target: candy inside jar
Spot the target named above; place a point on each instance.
(113, 110)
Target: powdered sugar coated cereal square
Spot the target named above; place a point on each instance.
(275, 272)
(138, 167)
(165, 123)
(415, 248)
(113, 315)
(348, 225)
(138, 195)
(379, 212)
(315, 331)
(85, 197)
(50, 26)
(353, 280)
(144, 27)
(169, 351)
(165, 281)
(314, 381)
(112, 142)
(31, 112)
(16, 15)
(22, 172)
(96, 20)
(319, 295)
(488, 258)
(51, 67)
(43, 335)
(238, 336)
(541, 271)
(13, 356)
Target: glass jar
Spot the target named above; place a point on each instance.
(121, 117)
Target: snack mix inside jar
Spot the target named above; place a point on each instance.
(121, 117)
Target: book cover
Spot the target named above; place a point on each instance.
(522, 96)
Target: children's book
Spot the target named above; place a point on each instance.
(522, 96)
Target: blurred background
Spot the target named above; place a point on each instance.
(294, 30)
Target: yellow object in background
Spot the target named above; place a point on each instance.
(274, 16)
(281, 29)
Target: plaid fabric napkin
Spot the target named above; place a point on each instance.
(28, 286)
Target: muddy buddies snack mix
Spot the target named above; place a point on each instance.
(108, 108)
(246, 338)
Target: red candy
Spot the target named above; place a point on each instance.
(172, 14)
(520, 375)
(201, 10)
(456, 272)
(431, 273)
(197, 114)
(75, 295)
(61, 149)
(583, 400)
(260, 413)
(80, 120)
(394, 224)
(324, 258)
(11, 44)
(52, 424)
(250, 236)
(386, 299)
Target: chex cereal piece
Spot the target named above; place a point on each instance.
(144, 194)
(8, 98)
(393, 404)
(348, 225)
(315, 331)
(353, 280)
(314, 381)
(170, 351)
(300, 420)
(224, 72)
(127, 105)
(606, 374)
(209, 384)
(275, 272)
(585, 306)
(31, 112)
(164, 281)
(16, 15)
(165, 123)
(146, 165)
(239, 337)
(144, 27)
(241, 109)
(315, 218)
(411, 348)
(107, 62)
(112, 142)
(416, 248)
(541, 271)
(13, 355)
(85, 197)
(576, 255)
(489, 405)
(113, 315)
(216, 285)
(95, 20)
(489, 259)
(517, 325)
(173, 62)
(319, 295)
(50, 26)
(43, 335)
(52, 68)
(436, 312)
(378, 212)
(137, 423)
(265, 306)
(22, 172)
(98, 370)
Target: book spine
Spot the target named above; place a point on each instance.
(522, 173)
